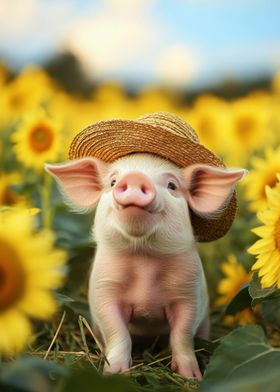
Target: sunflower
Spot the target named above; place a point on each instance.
(267, 249)
(263, 174)
(7, 196)
(29, 269)
(152, 99)
(37, 140)
(209, 117)
(248, 130)
(235, 278)
(28, 90)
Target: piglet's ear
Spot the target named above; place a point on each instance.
(79, 180)
(209, 188)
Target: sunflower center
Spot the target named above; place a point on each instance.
(11, 277)
(41, 138)
(245, 127)
(8, 197)
(277, 234)
(16, 100)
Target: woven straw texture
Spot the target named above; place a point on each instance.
(160, 133)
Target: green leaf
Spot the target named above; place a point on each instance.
(270, 311)
(77, 306)
(258, 382)
(206, 345)
(241, 301)
(260, 294)
(63, 299)
(89, 380)
(30, 375)
(242, 356)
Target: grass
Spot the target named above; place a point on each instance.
(70, 341)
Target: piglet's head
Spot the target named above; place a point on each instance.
(145, 196)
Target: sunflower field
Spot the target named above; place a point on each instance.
(46, 340)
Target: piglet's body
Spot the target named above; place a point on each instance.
(147, 276)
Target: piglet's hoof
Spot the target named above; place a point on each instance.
(186, 366)
(116, 366)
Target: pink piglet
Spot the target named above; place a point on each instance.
(147, 274)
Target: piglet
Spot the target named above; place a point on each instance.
(147, 275)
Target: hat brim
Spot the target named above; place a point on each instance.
(113, 139)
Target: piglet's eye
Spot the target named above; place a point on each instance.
(113, 182)
(171, 185)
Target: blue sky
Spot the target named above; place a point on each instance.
(180, 42)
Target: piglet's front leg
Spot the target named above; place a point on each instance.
(113, 320)
(181, 317)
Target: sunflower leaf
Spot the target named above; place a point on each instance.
(241, 301)
(259, 294)
(252, 382)
(30, 375)
(89, 380)
(63, 299)
(206, 345)
(271, 313)
(243, 360)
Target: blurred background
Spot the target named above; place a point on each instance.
(89, 60)
(187, 45)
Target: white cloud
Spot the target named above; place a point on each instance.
(176, 65)
(136, 40)
(16, 14)
(32, 28)
(129, 4)
(122, 35)
(118, 39)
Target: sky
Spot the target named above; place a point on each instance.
(174, 42)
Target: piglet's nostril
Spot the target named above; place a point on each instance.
(122, 188)
(144, 189)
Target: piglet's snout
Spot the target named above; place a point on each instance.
(134, 189)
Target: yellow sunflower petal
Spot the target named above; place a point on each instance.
(261, 246)
(263, 231)
(268, 281)
(39, 304)
(267, 216)
(224, 286)
(272, 196)
(271, 267)
(228, 269)
(45, 279)
(262, 178)
(259, 263)
(15, 331)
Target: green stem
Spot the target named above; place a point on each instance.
(46, 191)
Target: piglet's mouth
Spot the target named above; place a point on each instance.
(132, 209)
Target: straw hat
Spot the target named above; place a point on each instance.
(163, 134)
